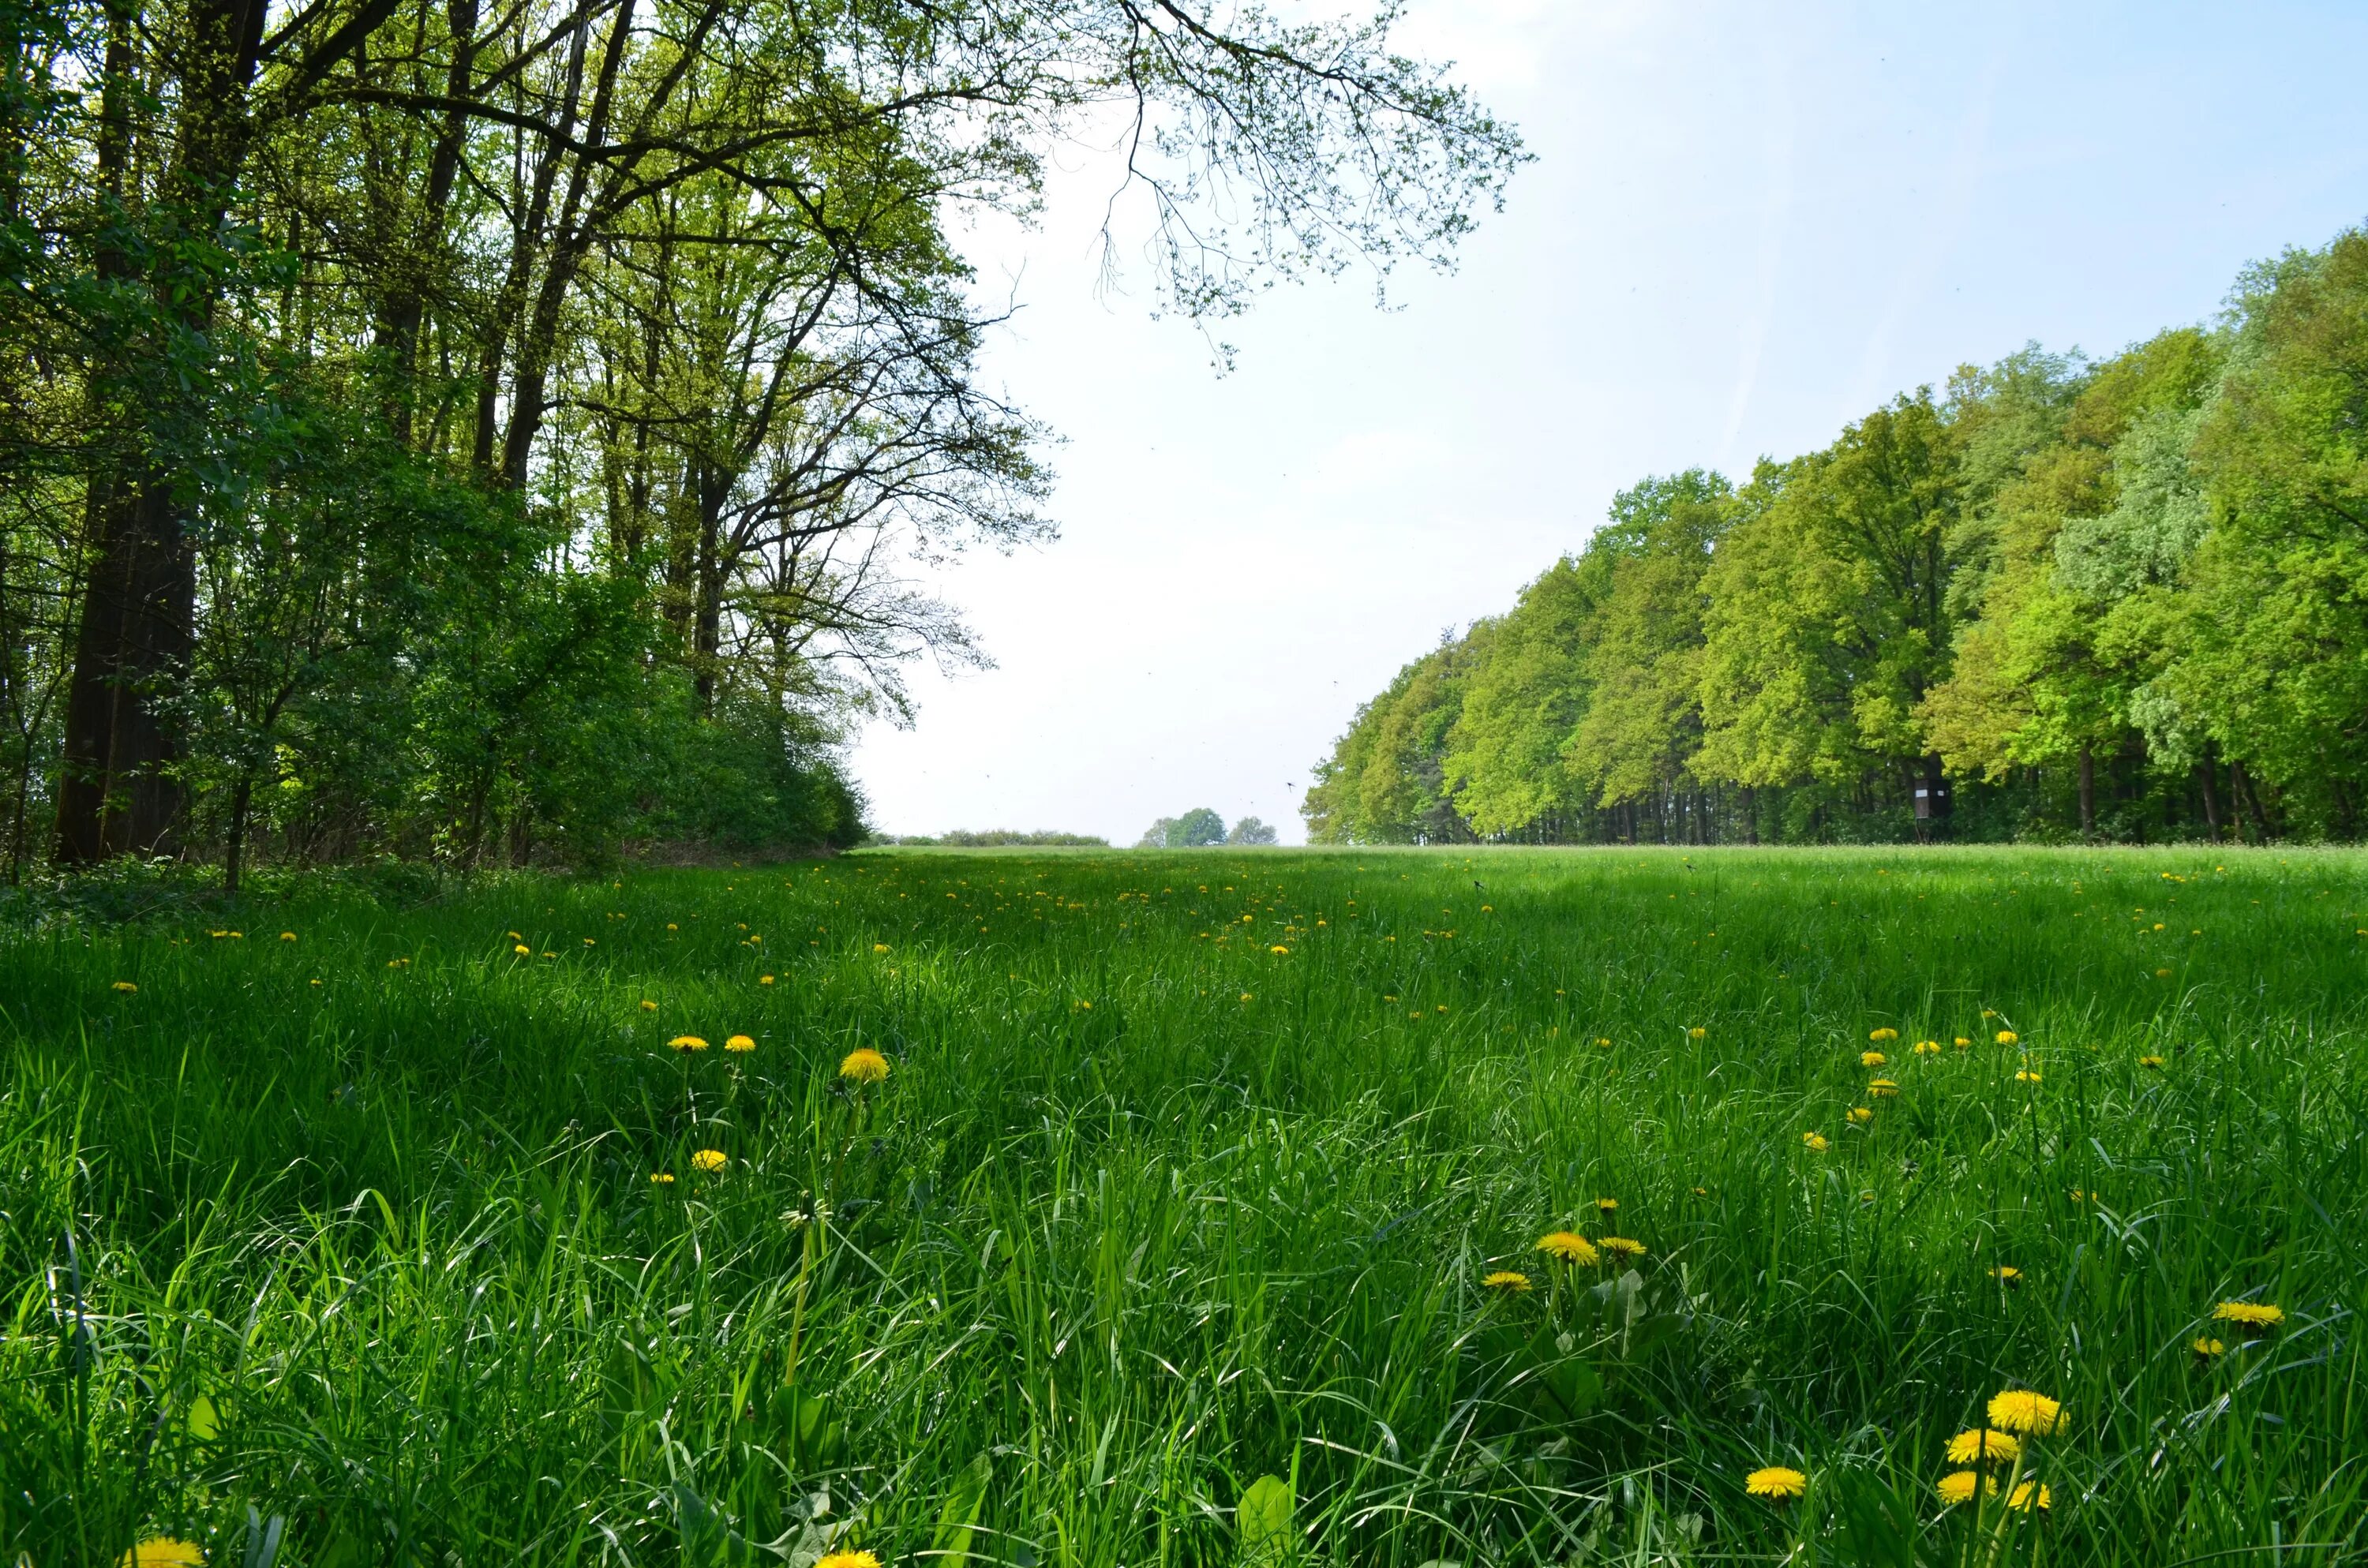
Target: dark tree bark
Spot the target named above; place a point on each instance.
(2088, 793)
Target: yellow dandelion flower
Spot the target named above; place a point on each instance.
(1882, 1088)
(2253, 1317)
(1880, 1035)
(1860, 1114)
(1622, 1247)
(1568, 1246)
(662, 1178)
(520, 936)
(2026, 1075)
(2155, 1061)
(1872, 1058)
(879, 947)
(1927, 1048)
(163, 1551)
(1962, 1042)
(764, 980)
(1603, 1040)
(287, 936)
(649, 1007)
(1983, 1446)
(1698, 1033)
(672, 926)
(2006, 1274)
(849, 1560)
(686, 1042)
(1779, 1484)
(522, 950)
(1280, 950)
(2207, 1347)
(2030, 1494)
(1606, 1205)
(709, 1160)
(863, 1065)
(739, 1043)
(1506, 1281)
(2032, 1414)
(2161, 973)
(1959, 1486)
(126, 987)
(2007, 1037)
(1246, 996)
(1815, 1143)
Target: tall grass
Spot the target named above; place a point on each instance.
(359, 1229)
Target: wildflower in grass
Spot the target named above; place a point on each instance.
(849, 1560)
(661, 1179)
(649, 1007)
(2253, 1317)
(126, 987)
(520, 936)
(1860, 1114)
(1507, 1282)
(1085, 1006)
(1246, 996)
(522, 950)
(287, 936)
(164, 1552)
(1815, 1143)
(1622, 1247)
(1927, 1048)
(1280, 951)
(1962, 1042)
(1872, 1058)
(764, 980)
(863, 1065)
(1568, 1246)
(1882, 1088)
(2026, 1075)
(709, 1160)
(2008, 1275)
(739, 1043)
(1777, 1483)
(879, 947)
(1959, 1486)
(2207, 1348)
(1983, 1446)
(2032, 1414)
(2030, 1494)
(2162, 974)
(1698, 1033)
(2007, 1037)
(1880, 1035)
(672, 926)
(2155, 1061)
(1606, 1205)
(686, 1042)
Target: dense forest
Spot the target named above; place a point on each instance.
(500, 429)
(2123, 600)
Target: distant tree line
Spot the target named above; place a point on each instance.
(1202, 828)
(2123, 599)
(492, 432)
(996, 838)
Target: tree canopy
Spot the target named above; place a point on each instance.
(2118, 597)
(499, 431)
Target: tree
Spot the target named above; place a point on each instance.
(1251, 833)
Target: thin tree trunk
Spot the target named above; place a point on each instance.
(2088, 793)
(2240, 784)
(2209, 771)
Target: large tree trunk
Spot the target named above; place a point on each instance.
(138, 601)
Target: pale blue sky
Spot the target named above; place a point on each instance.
(1747, 225)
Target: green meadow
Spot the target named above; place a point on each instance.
(340, 1228)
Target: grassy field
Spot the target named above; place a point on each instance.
(395, 1225)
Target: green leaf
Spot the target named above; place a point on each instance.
(1262, 1521)
(959, 1518)
(201, 1423)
